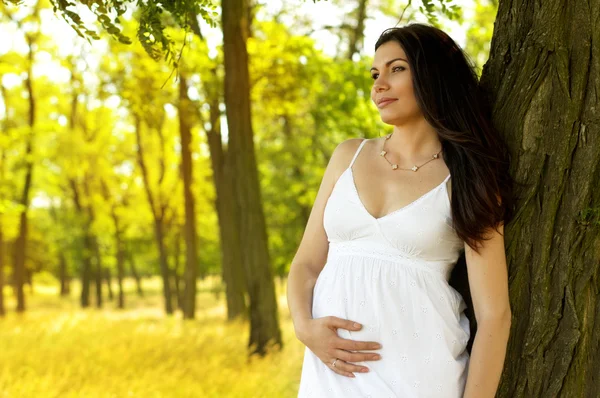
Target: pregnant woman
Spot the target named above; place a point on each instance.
(368, 288)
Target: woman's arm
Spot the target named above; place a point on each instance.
(312, 252)
(488, 279)
(320, 335)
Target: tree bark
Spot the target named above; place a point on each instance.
(2, 178)
(86, 256)
(65, 287)
(21, 242)
(543, 77)
(97, 257)
(358, 33)
(191, 258)
(108, 280)
(231, 254)
(264, 322)
(158, 213)
(119, 245)
(136, 275)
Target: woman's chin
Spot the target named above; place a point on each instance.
(389, 119)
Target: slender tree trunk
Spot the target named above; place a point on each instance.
(108, 279)
(136, 275)
(231, 252)
(97, 256)
(21, 242)
(120, 276)
(97, 271)
(86, 255)
(119, 244)
(176, 266)
(5, 126)
(64, 275)
(164, 266)
(543, 76)
(191, 259)
(264, 320)
(358, 34)
(158, 215)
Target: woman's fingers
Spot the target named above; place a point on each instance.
(353, 345)
(339, 323)
(341, 368)
(357, 356)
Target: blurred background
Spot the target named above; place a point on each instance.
(147, 220)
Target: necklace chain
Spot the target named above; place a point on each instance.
(395, 166)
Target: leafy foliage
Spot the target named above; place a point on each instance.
(154, 17)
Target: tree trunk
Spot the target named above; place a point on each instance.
(63, 275)
(358, 33)
(543, 76)
(94, 241)
(191, 259)
(21, 242)
(2, 179)
(264, 322)
(231, 254)
(136, 275)
(108, 279)
(164, 266)
(158, 213)
(86, 259)
(119, 245)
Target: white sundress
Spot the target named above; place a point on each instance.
(391, 275)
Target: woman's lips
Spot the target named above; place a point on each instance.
(384, 103)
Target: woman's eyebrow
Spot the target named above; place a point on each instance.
(389, 62)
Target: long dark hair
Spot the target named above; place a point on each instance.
(447, 91)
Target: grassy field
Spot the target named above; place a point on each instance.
(56, 349)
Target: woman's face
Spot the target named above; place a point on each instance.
(392, 79)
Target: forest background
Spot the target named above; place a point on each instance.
(149, 214)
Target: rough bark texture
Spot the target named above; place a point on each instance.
(264, 320)
(544, 78)
(191, 257)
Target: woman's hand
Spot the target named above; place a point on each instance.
(320, 336)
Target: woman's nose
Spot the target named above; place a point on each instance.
(380, 87)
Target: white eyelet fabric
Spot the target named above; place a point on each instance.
(391, 275)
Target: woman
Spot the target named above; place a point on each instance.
(368, 288)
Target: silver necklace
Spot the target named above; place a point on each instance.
(395, 166)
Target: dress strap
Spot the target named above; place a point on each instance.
(357, 152)
(447, 178)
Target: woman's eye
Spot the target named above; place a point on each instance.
(374, 76)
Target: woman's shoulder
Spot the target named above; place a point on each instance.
(347, 148)
(343, 153)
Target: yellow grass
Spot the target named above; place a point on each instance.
(57, 349)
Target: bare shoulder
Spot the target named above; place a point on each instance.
(312, 252)
(343, 153)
